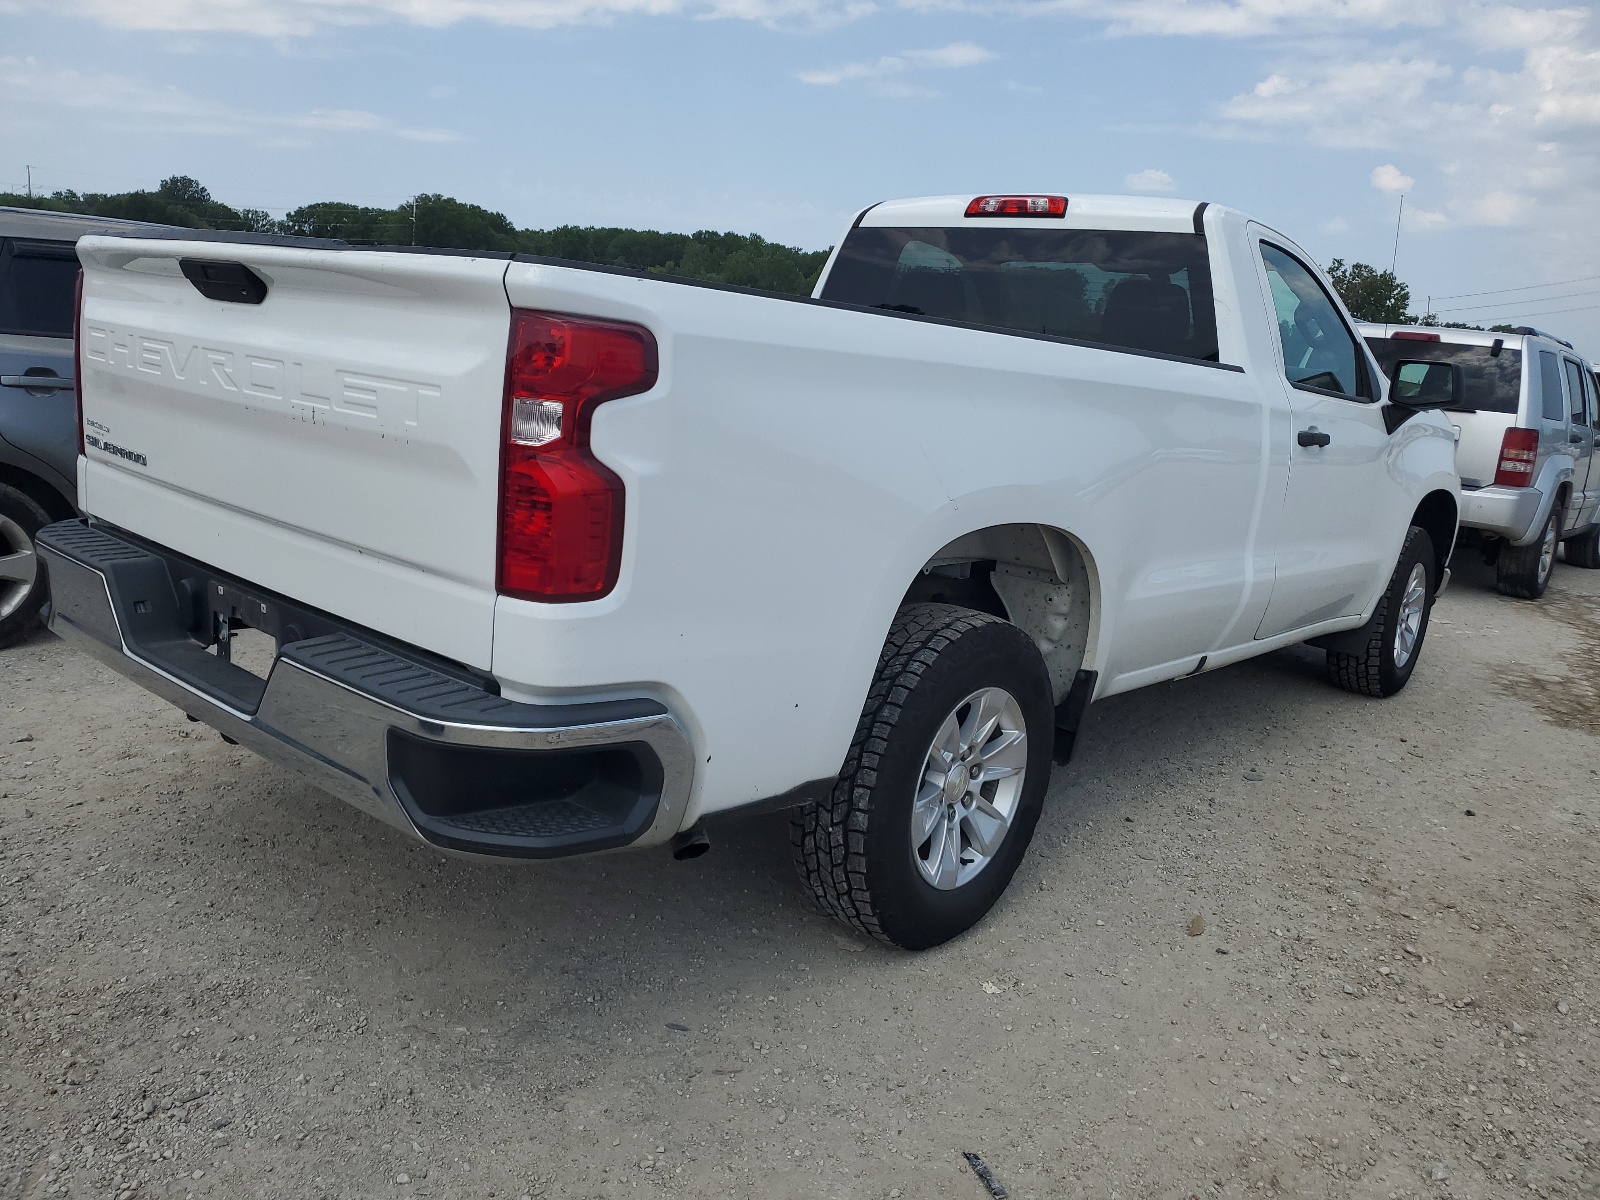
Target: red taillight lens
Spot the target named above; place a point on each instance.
(77, 354)
(1018, 206)
(560, 507)
(1411, 335)
(1519, 450)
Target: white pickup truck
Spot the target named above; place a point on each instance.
(558, 558)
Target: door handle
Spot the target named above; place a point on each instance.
(1313, 437)
(43, 383)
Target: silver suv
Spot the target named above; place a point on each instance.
(1526, 416)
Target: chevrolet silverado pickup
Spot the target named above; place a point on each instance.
(557, 558)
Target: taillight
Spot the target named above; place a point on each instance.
(1519, 450)
(1411, 335)
(77, 354)
(560, 507)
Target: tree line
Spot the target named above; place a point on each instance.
(745, 259)
(442, 222)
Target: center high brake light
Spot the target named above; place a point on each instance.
(1519, 450)
(560, 507)
(1018, 206)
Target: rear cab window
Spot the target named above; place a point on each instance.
(1129, 290)
(38, 282)
(1493, 378)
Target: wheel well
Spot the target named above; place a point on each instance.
(1437, 515)
(1035, 576)
(40, 492)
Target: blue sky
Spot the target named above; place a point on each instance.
(784, 116)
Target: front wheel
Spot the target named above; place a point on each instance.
(1524, 571)
(943, 784)
(1397, 628)
(1584, 550)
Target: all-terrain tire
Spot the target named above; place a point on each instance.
(854, 850)
(1584, 550)
(1379, 668)
(1524, 571)
(21, 605)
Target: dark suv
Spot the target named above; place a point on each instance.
(38, 409)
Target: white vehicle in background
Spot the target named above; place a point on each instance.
(1528, 417)
(557, 558)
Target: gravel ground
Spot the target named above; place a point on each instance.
(1271, 939)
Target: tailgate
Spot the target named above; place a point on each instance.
(1478, 448)
(337, 442)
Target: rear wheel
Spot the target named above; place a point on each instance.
(943, 785)
(1525, 571)
(1584, 550)
(22, 585)
(1397, 628)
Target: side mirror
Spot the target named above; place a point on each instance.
(1424, 384)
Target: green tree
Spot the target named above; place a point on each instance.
(1370, 294)
(430, 219)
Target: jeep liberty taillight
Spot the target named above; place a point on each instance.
(1519, 450)
(560, 507)
(77, 354)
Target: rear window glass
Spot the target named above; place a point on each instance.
(1493, 381)
(1555, 404)
(1137, 291)
(38, 281)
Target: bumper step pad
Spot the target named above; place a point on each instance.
(427, 745)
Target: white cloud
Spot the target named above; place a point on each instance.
(1503, 143)
(299, 18)
(888, 75)
(1336, 225)
(1389, 178)
(1150, 180)
(1424, 218)
(28, 88)
(1498, 208)
(1257, 18)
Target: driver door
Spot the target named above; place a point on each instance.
(1336, 535)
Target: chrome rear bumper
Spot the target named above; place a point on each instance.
(417, 743)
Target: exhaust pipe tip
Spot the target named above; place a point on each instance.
(691, 843)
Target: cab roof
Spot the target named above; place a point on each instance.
(1149, 213)
(1463, 337)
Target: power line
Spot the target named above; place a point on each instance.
(1526, 288)
(1512, 303)
(1557, 312)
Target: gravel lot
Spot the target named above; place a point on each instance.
(215, 981)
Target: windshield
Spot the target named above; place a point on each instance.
(1493, 381)
(1133, 290)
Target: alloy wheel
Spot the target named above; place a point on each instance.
(971, 783)
(19, 566)
(1413, 603)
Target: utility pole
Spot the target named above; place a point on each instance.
(1397, 217)
(30, 183)
(413, 220)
